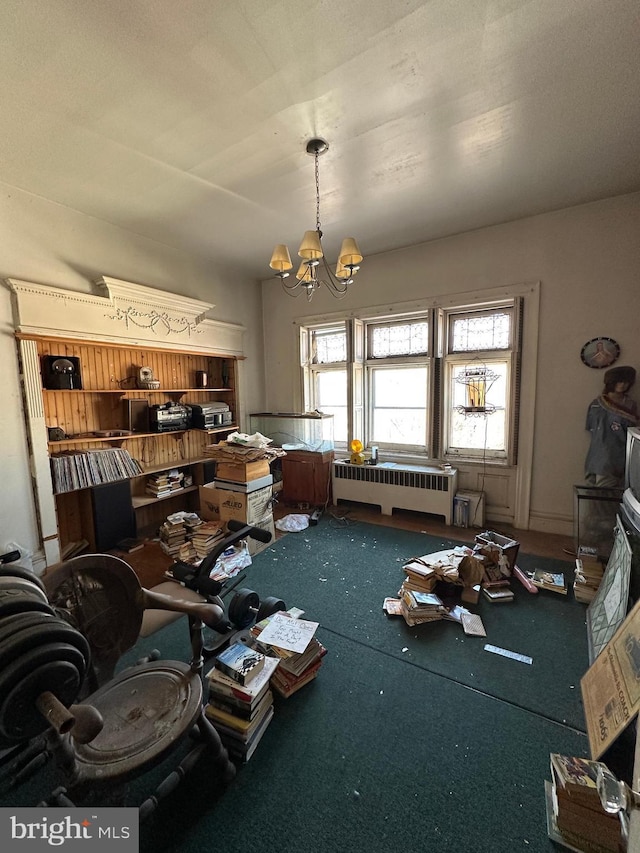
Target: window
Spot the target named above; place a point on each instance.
(324, 357)
(397, 369)
(478, 370)
(438, 383)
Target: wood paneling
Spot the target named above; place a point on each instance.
(109, 375)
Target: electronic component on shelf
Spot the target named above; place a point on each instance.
(210, 415)
(168, 417)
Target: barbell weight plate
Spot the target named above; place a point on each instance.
(25, 585)
(243, 607)
(269, 606)
(19, 601)
(36, 634)
(20, 718)
(16, 685)
(17, 621)
(25, 574)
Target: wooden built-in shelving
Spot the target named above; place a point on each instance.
(108, 375)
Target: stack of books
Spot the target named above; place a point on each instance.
(205, 537)
(588, 577)
(296, 668)
(553, 581)
(165, 483)
(575, 815)
(420, 607)
(240, 712)
(173, 538)
(419, 577)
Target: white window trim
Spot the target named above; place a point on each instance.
(530, 291)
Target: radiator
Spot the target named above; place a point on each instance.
(394, 486)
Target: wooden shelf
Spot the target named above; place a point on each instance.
(139, 501)
(117, 439)
(95, 439)
(214, 430)
(183, 463)
(123, 391)
(108, 373)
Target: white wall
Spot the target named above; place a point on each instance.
(588, 262)
(49, 244)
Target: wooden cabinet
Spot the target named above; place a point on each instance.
(94, 414)
(306, 477)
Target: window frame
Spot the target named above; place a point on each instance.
(438, 362)
(454, 358)
(312, 369)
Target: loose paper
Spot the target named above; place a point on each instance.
(508, 654)
(286, 633)
(611, 686)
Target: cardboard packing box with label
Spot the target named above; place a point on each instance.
(249, 507)
(255, 547)
(209, 503)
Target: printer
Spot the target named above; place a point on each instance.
(211, 414)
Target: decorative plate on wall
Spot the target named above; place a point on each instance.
(600, 352)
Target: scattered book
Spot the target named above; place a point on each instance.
(420, 607)
(553, 581)
(392, 606)
(240, 662)
(575, 814)
(250, 693)
(498, 596)
(128, 546)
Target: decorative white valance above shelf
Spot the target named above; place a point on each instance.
(124, 313)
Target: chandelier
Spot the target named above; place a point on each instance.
(314, 269)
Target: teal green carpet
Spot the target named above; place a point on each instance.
(340, 578)
(374, 756)
(411, 739)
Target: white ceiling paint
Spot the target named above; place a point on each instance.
(186, 121)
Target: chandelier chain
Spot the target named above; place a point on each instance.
(316, 155)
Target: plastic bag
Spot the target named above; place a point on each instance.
(293, 523)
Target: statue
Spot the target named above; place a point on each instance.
(608, 418)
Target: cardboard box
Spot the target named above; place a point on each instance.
(249, 507)
(255, 547)
(209, 503)
(242, 472)
(251, 486)
(492, 545)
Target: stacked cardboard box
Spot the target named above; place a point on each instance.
(249, 501)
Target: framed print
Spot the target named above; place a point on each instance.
(609, 607)
(600, 352)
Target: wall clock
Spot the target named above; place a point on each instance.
(600, 352)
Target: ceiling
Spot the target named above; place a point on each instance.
(186, 121)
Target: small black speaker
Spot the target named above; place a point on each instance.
(137, 415)
(204, 472)
(61, 373)
(113, 515)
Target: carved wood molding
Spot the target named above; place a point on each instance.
(125, 314)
